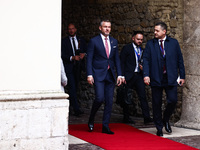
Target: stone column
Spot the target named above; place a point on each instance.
(33, 110)
(190, 116)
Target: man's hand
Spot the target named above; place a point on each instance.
(181, 82)
(76, 57)
(147, 80)
(82, 55)
(90, 80)
(119, 81)
(141, 67)
(123, 80)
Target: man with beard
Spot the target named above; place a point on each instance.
(131, 62)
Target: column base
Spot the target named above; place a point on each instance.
(33, 120)
(187, 124)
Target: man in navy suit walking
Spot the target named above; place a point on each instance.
(102, 59)
(163, 62)
(73, 49)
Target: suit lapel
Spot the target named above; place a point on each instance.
(157, 51)
(166, 46)
(70, 45)
(133, 52)
(111, 46)
(141, 52)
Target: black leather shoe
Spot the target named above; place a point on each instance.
(167, 127)
(106, 130)
(159, 133)
(129, 120)
(91, 126)
(148, 120)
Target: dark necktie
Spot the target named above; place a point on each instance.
(163, 53)
(138, 53)
(74, 45)
(138, 56)
(161, 45)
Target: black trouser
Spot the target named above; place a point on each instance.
(171, 93)
(137, 83)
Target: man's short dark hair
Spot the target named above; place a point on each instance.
(162, 24)
(71, 23)
(104, 20)
(137, 32)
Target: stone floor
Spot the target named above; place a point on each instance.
(189, 137)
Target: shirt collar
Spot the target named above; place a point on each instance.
(135, 47)
(163, 38)
(103, 37)
(72, 37)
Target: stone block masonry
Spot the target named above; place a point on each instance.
(34, 120)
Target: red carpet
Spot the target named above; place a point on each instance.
(125, 138)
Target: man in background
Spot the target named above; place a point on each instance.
(131, 63)
(73, 49)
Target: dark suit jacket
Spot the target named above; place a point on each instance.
(152, 62)
(128, 61)
(97, 61)
(67, 52)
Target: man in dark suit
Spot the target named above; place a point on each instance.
(163, 62)
(131, 63)
(73, 50)
(102, 58)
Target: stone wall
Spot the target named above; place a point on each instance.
(34, 120)
(126, 16)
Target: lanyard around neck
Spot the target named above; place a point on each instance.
(138, 54)
(162, 51)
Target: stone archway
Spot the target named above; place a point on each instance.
(182, 18)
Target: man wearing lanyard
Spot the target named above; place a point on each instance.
(131, 64)
(162, 63)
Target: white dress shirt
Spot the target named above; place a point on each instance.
(76, 43)
(136, 58)
(108, 41)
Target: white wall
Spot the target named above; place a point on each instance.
(30, 32)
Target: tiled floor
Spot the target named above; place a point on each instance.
(186, 136)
